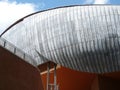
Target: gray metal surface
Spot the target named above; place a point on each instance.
(83, 38)
(13, 49)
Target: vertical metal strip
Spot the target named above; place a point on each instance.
(48, 75)
(55, 77)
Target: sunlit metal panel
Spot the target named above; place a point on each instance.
(83, 38)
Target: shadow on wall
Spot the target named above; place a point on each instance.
(16, 74)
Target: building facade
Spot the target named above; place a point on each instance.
(83, 38)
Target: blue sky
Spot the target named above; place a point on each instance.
(13, 10)
(45, 4)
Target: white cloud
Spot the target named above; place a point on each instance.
(101, 1)
(12, 11)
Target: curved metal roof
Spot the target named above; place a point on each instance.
(83, 38)
(52, 9)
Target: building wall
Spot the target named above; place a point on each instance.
(68, 79)
(95, 84)
(15, 74)
(107, 83)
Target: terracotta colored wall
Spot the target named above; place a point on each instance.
(71, 80)
(107, 83)
(95, 84)
(16, 74)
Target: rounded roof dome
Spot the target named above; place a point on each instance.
(83, 38)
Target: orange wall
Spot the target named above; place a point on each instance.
(15, 74)
(108, 83)
(95, 84)
(71, 80)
